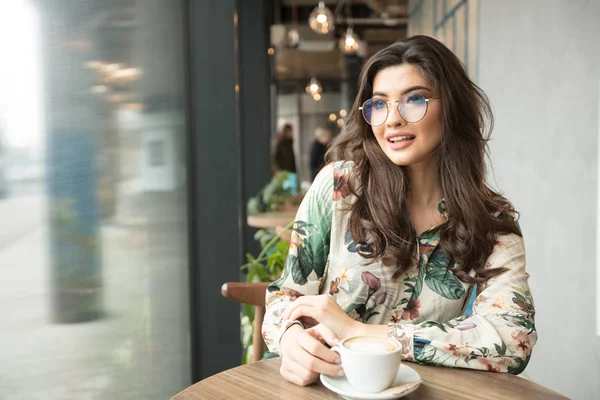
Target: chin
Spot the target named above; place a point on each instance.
(400, 161)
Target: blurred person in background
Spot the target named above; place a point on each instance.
(318, 150)
(283, 157)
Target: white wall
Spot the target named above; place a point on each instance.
(452, 22)
(540, 66)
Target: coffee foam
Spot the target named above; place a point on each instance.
(370, 344)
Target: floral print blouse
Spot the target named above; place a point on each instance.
(427, 309)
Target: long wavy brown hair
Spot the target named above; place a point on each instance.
(476, 213)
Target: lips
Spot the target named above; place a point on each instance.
(400, 140)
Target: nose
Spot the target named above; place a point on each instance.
(394, 118)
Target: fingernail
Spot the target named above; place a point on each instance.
(340, 372)
(338, 361)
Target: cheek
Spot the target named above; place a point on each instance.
(380, 138)
(378, 132)
(434, 132)
(432, 128)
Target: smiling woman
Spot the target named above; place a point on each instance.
(406, 84)
(400, 229)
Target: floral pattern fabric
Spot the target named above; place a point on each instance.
(426, 308)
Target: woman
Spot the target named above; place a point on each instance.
(397, 234)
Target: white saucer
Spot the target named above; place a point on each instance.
(342, 387)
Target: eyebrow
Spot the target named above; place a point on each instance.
(405, 91)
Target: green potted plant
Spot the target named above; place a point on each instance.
(280, 193)
(267, 267)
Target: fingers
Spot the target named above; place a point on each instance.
(311, 307)
(296, 373)
(303, 361)
(316, 356)
(310, 301)
(305, 311)
(304, 300)
(322, 332)
(317, 365)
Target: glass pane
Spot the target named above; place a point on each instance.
(93, 238)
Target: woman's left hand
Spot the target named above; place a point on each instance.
(324, 310)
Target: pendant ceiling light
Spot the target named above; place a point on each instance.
(294, 34)
(293, 38)
(349, 43)
(321, 19)
(314, 87)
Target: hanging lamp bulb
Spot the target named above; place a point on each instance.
(321, 19)
(293, 38)
(314, 87)
(349, 43)
(294, 34)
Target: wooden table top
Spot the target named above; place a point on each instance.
(261, 380)
(271, 219)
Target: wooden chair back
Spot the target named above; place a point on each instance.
(252, 293)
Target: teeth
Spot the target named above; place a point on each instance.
(397, 138)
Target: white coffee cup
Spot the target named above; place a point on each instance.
(370, 362)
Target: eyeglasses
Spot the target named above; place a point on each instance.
(411, 107)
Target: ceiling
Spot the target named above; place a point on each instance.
(378, 23)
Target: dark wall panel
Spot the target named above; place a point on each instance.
(254, 102)
(216, 199)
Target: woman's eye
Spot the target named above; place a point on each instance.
(415, 99)
(378, 104)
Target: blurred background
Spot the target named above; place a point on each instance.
(137, 137)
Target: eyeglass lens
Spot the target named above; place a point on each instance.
(412, 108)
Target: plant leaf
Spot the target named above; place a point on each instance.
(320, 253)
(500, 349)
(352, 307)
(524, 322)
(255, 205)
(248, 310)
(304, 228)
(300, 268)
(427, 324)
(276, 285)
(444, 283)
(283, 247)
(439, 259)
(520, 365)
(419, 282)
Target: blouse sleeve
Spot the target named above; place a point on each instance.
(307, 258)
(500, 333)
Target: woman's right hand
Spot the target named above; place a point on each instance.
(304, 356)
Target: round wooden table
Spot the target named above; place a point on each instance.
(261, 380)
